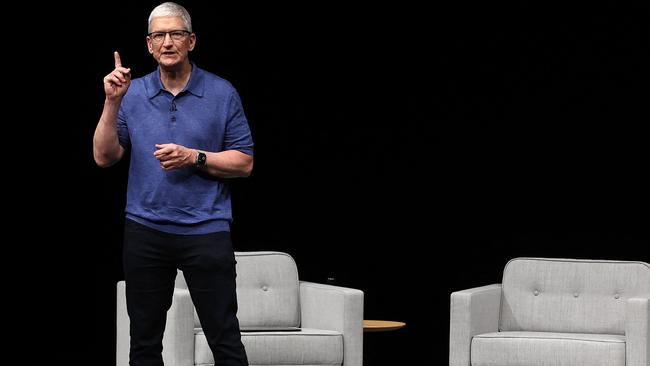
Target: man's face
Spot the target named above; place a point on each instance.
(172, 49)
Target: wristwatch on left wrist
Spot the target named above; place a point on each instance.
(200, 159)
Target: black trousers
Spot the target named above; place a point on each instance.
(208, 262)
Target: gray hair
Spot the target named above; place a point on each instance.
(170, 9)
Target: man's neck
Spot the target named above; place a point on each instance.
(175, 79)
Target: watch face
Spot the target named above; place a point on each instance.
(200, 159)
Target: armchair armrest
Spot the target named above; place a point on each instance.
(123, 339)
(335, 308)
(637, 332)
(178, 341)
(473, 311)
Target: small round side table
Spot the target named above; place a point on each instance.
(381, 325)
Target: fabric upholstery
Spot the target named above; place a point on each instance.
(307, 346)
(555, 312)
(563, 295)
(178, 343)
(335, 308)
(472, 312)
(637, 332)
(328, 320)
(548, 349)
(267, 290)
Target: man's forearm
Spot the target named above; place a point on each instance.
(106, 146)
(228, 164)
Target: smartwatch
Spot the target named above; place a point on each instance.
(200, 159)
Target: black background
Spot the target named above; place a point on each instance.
(406, 150)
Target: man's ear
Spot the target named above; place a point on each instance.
(192, 43)
(149, 45)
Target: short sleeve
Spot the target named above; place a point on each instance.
(238, 134)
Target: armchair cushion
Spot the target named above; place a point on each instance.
(570, 295)
(267, 291)
(547, 349)
(304, 347)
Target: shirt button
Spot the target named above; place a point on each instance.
(617, 296)
(265, 288)
(575, 294)
(536, 292)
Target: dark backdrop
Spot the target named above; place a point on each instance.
(408, 151)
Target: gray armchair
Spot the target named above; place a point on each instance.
(284, 321)
(555, 312)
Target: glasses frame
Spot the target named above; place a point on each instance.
(185, 33)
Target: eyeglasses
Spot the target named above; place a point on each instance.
(176, 35)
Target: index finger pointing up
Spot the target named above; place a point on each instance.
(118, 61)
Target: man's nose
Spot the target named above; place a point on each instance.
(167, 41)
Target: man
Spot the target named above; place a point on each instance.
(186, 131)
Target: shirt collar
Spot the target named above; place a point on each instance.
(195, 85)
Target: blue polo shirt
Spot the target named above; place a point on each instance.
(207, 115)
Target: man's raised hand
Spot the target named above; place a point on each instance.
(117, 82)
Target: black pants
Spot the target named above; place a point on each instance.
(150, 260)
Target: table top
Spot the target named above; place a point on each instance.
(381, 325)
